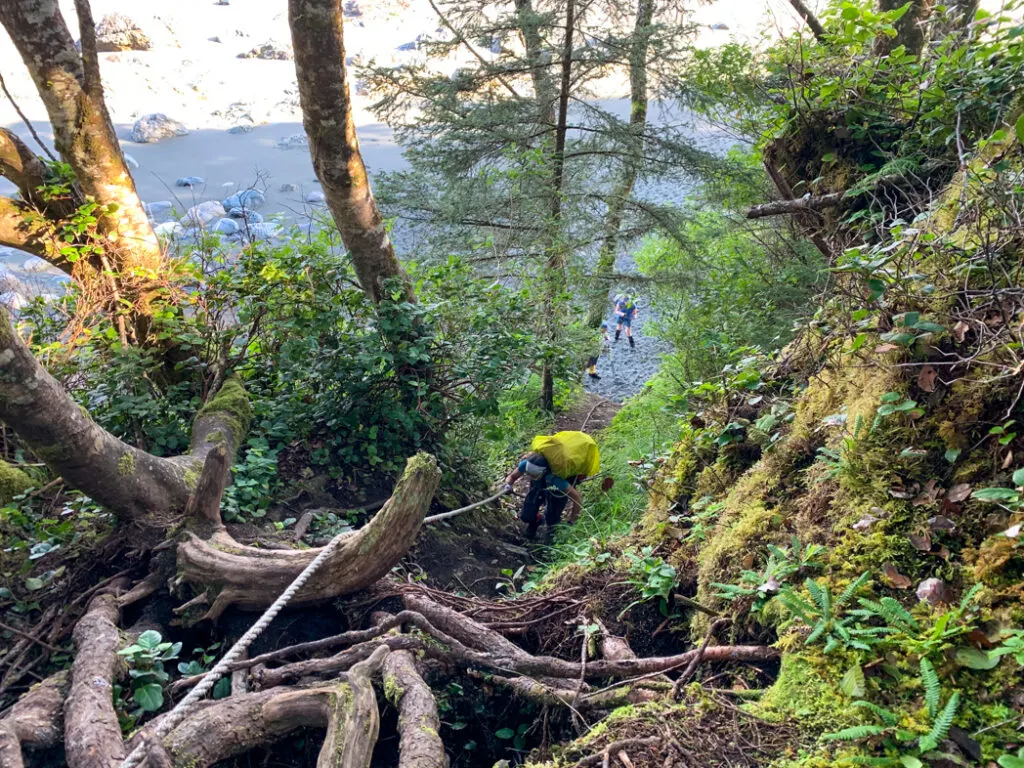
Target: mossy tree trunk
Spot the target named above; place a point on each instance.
(319, 44)
(134, 484)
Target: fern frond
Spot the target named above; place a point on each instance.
(887, 717)
(931, 686)
(855, 732)
(851, 590)
(797, 605)
(874, 761)
(941, 724)
(896, 614)
(817, 632)
(821, 596)
(966, 600)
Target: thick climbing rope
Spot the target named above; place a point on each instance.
(183, 707)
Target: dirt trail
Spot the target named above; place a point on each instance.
(469, 552)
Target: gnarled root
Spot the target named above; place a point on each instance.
(346, 708)
(419, 746)
(252, 578)
(35, 721)
(92, 734)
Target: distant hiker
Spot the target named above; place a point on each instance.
(555, 466)
(625, 312)
(592, 360)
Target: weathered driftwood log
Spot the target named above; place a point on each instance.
(232, 574)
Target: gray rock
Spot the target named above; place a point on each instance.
(244, 213)
(287, 187)
(36, 265)
(189, 181)
(116, 32)
(316, 196)
(264, 231)
(720, 26)
(406, 47)
(214, 39)
(247, 198)
(226, 227)
(269, 51)
(352, 9)
(130, 161)
(169, 229)
(242, 128)
(157, 208)
(204, 213)
(13, 301)
(156, 126)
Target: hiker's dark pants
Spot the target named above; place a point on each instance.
(554, 502)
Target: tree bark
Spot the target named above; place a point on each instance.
(134, 484)
(83, 133)
(638, 102)
(35, 721)
(554, 276)
(910, 29)
(318, 41)
(812, 20)
(348, 710)
(251, 578)
(419, 744)
(797, 205)
(92, 734)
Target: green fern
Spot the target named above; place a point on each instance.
(874, 761)
(931, 686)
(941, 724)
(966, 600)
(821, 597)
(887, 717)
(851, 590)
(893, 613)
(855, 733)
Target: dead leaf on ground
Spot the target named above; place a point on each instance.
(926, 379)
(959, 492)
(883, 348)
(864, 523)
(921, 542)
(1008, 460)
(894, 577)
(929, 495)
(1012, 532)
(942, 552)
(960, 331)
(941, 523)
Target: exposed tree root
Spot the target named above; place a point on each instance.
(252, 578)
(35, 721)
(419, 726)
(92, 734)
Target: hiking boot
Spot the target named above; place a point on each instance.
(617, 335)
(631, 342)
(594, 376)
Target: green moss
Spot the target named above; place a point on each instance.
(393, 692)
(807, 690)
(231, 404)
(126, 464)
(12, 482)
